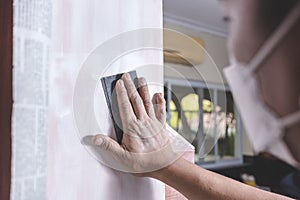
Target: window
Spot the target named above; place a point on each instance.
(205, 115)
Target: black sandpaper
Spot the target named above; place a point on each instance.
(109, 84)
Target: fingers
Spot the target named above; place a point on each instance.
(159, 107)
(126, 112)
(134, 97)
(144, 92)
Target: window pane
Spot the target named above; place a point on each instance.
(175, 121)
(184, 113)
(190, 107)
(208, 137)
(207, 119)
(227, 126)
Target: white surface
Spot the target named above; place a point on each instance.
(32, 21)
(78, 28)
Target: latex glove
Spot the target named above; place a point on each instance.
(147, 145)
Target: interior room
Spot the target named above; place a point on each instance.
(231, 154)
(149, 99)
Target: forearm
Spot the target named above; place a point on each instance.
(195, 182)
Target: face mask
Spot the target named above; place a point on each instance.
(265, 129)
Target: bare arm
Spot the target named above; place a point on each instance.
(195, 182)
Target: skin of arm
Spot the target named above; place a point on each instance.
(195, 182)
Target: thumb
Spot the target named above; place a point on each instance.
(103, 142)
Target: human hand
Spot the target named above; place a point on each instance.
(147, 145)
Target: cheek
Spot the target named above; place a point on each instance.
(242, 38)
(232, 41)
(230, 46)
(234, 30)
(240, 43)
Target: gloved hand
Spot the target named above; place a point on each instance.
(147, 145)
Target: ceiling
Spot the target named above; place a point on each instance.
(203, 15)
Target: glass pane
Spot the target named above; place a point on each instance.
(190, 118)
(190, 107)
(175, 121)
(227, 126)
(184, 113)
(208, 138)
(210, 128)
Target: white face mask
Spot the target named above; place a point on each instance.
(264, 128)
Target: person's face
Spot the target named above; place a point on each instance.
(245, 31)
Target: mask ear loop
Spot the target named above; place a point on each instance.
(290, 119)
(275, 39)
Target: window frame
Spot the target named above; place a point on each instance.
(200, 85)
(6, 96)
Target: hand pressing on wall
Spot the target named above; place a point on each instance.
(148, 144)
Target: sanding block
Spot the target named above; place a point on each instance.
(109, 84)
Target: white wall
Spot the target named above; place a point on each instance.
(78, 28)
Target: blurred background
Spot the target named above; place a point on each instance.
(43, 45)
